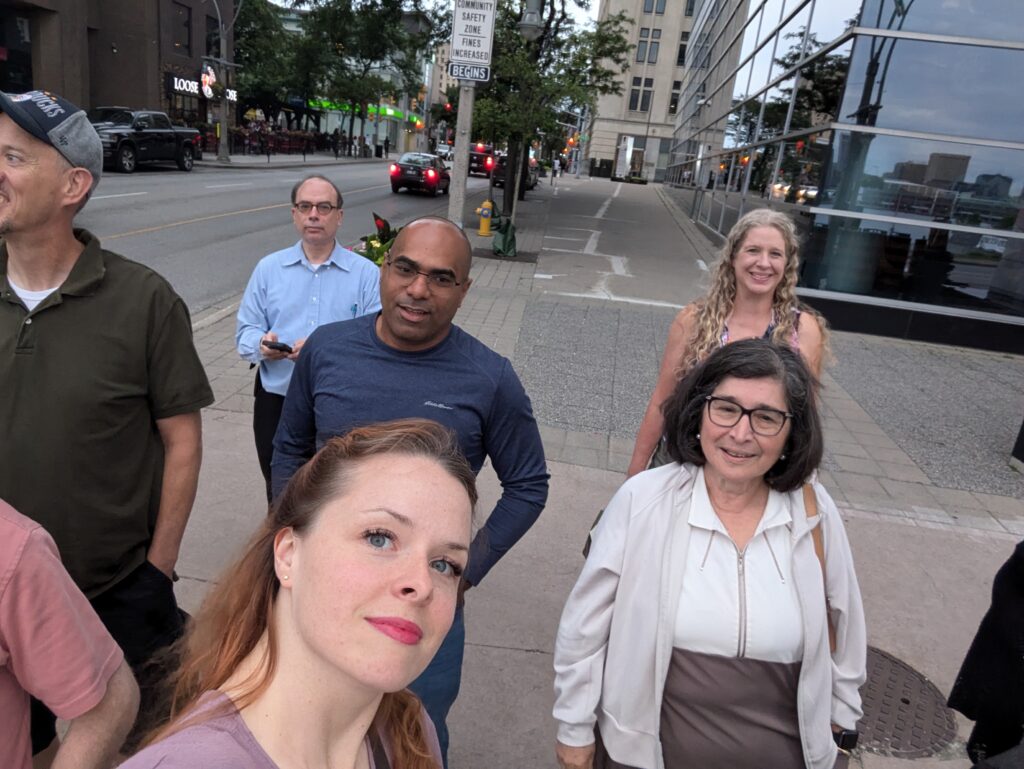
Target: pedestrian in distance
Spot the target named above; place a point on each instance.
(555, 165)
(291, 293)
(752, 295)
(102, 387)
(301, 654)
(410, 360)
(53, 645)
(707, 628)
(387, 146)
(335, 141)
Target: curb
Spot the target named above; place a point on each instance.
(313, 161)
(216, 313)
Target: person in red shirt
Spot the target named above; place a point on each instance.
(54, 647)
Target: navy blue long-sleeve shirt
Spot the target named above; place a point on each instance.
(346, 377)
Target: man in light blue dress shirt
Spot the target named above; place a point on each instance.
(293, 291)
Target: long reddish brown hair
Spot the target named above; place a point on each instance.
(239, 610)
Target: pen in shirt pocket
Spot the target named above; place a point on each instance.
(355, 309)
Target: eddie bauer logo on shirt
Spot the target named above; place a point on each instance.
(438, 405)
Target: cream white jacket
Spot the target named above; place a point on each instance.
(615, 638)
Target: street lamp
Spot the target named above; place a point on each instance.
(531, 25)
(223, 153)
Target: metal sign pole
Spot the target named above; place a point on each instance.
(463, 138)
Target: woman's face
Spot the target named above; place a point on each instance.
(760, 261)
(372, 584)
(737, 453)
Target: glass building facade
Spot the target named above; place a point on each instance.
(890, 130)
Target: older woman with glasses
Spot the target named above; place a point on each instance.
(717, 621)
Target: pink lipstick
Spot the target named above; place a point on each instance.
(401, 630)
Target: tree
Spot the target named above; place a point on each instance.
(266, 66)
(566, 68)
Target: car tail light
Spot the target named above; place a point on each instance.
(394, 169)
(489, 163)
(431, 174)
(479, 147)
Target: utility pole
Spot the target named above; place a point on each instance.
(223, 151)
(460, 171)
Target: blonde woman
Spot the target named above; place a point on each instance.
(752, 296)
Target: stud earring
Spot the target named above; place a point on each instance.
(782, 458)
(285, 576)
(698, 436)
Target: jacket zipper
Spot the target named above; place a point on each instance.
(741, 574)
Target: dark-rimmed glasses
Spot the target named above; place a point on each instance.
(763, 421)
(406, 272)
(321, 208)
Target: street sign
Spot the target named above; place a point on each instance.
(469, 72)
(472, 32)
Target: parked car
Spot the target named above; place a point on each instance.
(443, 151)
(131, 137)
(481, 159)
(420, 171)
(533, 173)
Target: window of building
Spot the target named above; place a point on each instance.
(212, 37)
(634, 95)
(641, 47)
(689, 7)
(181, 28)
(652, 49)
(673, 102)
(645, 97)
(648, 6)
(681, 57)
(659, 7)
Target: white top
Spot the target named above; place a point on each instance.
(739, 604)
(31, 299)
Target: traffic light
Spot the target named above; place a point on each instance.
(447, 106)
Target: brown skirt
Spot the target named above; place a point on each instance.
(726, 713)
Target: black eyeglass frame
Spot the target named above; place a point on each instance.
(748, 413)
(318, 206)
(432, 277)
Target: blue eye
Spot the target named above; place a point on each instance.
(379, 539)
(446, 567)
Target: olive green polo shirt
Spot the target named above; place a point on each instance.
(83, 379)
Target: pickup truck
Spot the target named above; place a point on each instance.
(131, 137)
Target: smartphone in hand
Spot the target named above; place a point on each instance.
(279, 346)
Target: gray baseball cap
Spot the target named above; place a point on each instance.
(59, 123)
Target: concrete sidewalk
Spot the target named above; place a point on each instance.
(926, 550)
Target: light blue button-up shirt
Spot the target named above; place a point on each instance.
(291, 297)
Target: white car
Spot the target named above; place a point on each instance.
(443, 151)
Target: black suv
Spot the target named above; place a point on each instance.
(481, 159)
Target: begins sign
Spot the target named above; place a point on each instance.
(469, 72)
(472, 32)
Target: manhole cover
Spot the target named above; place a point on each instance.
(905, 716)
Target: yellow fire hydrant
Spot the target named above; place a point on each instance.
(484, 213)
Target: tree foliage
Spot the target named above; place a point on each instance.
(266, 64)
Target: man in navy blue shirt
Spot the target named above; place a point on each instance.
(410, 360)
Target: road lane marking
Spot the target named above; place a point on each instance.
(198, 219)
(604, 206)
(609, 297)
(118, 195)
(556, 237)
(235, 184)
(167, 226)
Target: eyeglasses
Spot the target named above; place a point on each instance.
(763, 421)
(406, 272)
(321, 208)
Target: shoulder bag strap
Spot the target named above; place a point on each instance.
(811, 509)
(380, 757)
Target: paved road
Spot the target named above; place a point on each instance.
(205, 231)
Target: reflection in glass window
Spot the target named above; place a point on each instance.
(915, 89)
(960, 184)
(915, 262)
(820, 89)
(841, 15)
(993, 19)
(790, 45)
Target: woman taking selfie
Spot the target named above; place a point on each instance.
(752, 296)
(705, 631)
(300, 655)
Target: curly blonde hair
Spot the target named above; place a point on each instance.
(715, 307)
